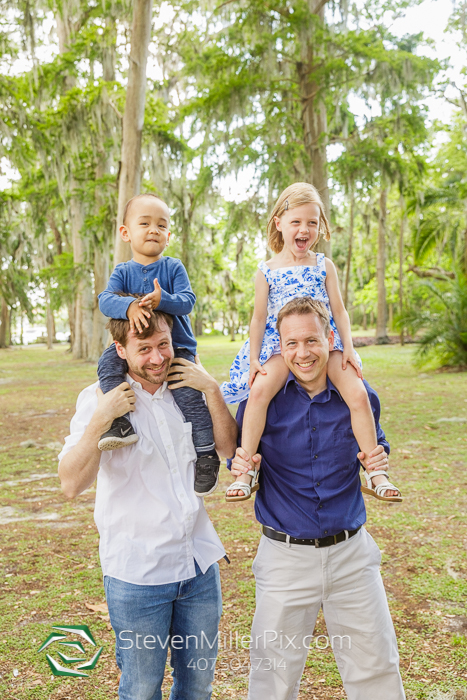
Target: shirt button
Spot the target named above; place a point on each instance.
(318, 483)
(145, 279)
(313, 429)
(325, 532)
(321, 506)
(144, 271)
(315, 457)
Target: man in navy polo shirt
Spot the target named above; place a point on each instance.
(314, 551)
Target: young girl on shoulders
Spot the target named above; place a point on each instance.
(258, 371)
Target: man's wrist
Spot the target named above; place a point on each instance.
(212, 389)
(99, 423)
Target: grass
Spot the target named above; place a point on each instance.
(49, 566)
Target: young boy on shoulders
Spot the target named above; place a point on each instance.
(165, 285)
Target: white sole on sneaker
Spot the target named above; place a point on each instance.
(114, 443)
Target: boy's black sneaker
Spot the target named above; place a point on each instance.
(120, 434)
(206, 474)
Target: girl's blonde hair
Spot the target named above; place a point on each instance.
(294, 196)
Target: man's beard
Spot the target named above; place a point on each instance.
(148, 376)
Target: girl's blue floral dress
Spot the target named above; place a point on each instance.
(285, 284)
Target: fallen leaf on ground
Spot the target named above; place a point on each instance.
(100, 607)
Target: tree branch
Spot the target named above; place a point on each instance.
(320, 6)
(433, 272)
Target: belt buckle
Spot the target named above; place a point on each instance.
(317, 543)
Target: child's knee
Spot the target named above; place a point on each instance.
(359, 400)
(261, 392)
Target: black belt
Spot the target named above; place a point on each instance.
(318, 542)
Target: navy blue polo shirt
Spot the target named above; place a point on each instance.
(309, 477)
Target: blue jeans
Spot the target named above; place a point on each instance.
(111, 370)
(149, 620)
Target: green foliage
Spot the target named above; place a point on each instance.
(444, 324)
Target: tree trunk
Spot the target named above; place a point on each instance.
(349, 250)
(381, 317)
(314, 115)
(101, 252)
(82, 331)
(401, 264)
(4, 324)
(199, 324)
(50, 325)
(232, 328)
(364, 319)
(82, 338)
(133, 119)
(71, 323)
(101, 276)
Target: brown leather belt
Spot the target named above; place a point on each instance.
(318, 542)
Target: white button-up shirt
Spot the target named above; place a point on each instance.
(151, 524)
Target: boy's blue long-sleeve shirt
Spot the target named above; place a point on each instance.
(177, 299)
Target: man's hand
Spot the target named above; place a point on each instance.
(137, 317)
(114, 404)
(377, 459)
(152, 300)
(240, 463)
(187, 373)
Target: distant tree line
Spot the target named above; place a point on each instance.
(102, 100)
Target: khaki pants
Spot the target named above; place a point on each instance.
(292, 583)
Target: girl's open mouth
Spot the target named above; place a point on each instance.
(301, 243)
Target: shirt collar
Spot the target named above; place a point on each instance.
(323, 397)
(136, 385)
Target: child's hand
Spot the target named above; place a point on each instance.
(348, 356)
(152, 300)
(255, 367)
(137, 317)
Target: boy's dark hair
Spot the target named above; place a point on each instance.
(138, 196)
(301, 306)
(120, 327)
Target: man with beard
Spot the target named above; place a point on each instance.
(158, 548)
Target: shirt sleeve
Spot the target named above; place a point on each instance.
(110, 303)
(376, 408)
(85, 407)
(182, 301)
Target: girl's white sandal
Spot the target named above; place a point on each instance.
(247, 489)
(379, 491)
